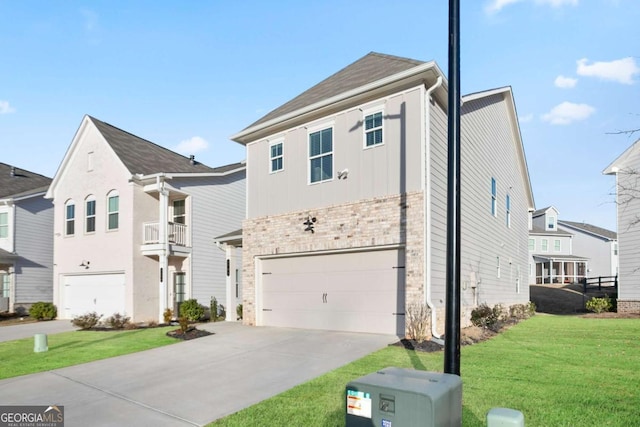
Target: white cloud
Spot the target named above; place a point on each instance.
(568, 112)
(5, 108)
(526, 118)
(192, 145)
(565, 82)
(620, 70)
(495, 6)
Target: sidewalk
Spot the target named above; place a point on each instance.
(16, 332)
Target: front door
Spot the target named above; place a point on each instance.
(179, 287)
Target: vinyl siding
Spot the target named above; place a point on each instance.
(34, 245)
(599, 251)
(218, 207)
(489, 151)
(629, 232)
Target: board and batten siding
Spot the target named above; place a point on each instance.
(382, 170)
(493, 255)
(217, 207)
(34, 245)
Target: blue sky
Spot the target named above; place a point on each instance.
(188, 75)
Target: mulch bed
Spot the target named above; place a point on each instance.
(190, 334)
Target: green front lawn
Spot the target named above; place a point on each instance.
(557, 370)
(72, 348)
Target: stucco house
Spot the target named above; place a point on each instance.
(26, 239)
(134, 226)
(626, 169)
(346, 201)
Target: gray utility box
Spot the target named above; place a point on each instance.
(397, 397)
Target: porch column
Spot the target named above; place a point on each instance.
(164, 255)
(231, 279)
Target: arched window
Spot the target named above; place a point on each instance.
(90, 214)
(69, 218)
(113, 210)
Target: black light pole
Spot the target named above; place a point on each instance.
(452, 316)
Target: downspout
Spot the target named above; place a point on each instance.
(164, 241)
(426, 223)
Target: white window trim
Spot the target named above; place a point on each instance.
(110, 194)
(88, 199)
(366, 113)
(67, 219)
(508, 209)
(271, 144)
(554, 221)
(8, 225)
(533, 249)
(310, 131)
(542, 245)
(558, 247)
(494, 198)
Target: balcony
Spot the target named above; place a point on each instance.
(176, 233)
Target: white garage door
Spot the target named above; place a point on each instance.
(102, 293)
(354, 291)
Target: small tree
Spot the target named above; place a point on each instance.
(192, 310)
(418, 321)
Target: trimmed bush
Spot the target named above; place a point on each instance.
(167, 315)
(87, 320)
(519, 312)
(239, 311)
(192, 310)
(599, 305)
(184, 324)
(418, 322)
(117, 321)
(43, 311)
(489, 318)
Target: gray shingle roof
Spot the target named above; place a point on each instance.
(370, 68)
(541, 230)
(144, 157)
(22, 183)
(591, 229)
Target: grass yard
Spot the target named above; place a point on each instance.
(72, 348)
(557, 370)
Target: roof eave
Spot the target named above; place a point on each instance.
(245, 136)
(171, 175)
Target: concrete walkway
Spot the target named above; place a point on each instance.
(192, 382)
(16, 332)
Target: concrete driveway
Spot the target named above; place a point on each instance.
(16, 332)
(192, 382)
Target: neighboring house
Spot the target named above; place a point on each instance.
(26, 239)
(346, 201)
(598, 244)
(552, 253)
(626, 169)
(134, 225)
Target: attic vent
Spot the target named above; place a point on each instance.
(192, 160)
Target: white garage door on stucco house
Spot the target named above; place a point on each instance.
(347, 291)
(102, 293)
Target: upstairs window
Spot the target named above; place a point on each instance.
(69, 218)
(4, 225)
(373, 129)
(113, 210)
(90, 215)
(508, 203)
(532, 244)
(321, 155)
(276, 157)
(179, 212)
(551, 223)
(494, 197)
(556, 245)
(545, 245)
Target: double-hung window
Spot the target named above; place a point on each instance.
(69, 218)
(532, 244)
(373, 129)
(321, 155)
(494, 197)
(556, 245)
(545, 245)
(4, 225)
(276, 157)
(179, 212)
(90, 215)
(113, 210)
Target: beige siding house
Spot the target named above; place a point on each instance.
(26, 239)
(134, 225)
(626, 170)
(346, 199)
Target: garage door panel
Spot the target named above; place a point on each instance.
(102, 293)
(359, 291)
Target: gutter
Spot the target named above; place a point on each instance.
(426, 223)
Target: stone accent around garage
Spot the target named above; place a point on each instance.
(366, 225)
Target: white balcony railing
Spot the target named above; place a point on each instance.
(176, 233)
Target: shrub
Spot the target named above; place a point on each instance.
(486, 317)
(184, 324)
(117, 321)
(213, 309)
(531, 308)
(599, 305)
(222, 312)
(521, 311)
(130, 326)
(239, 311)
(43, 311)
(86, 321)
(191, 310)
(418, 322)
(167, 315)
(153, 323)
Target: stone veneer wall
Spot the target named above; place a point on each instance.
(628, 306)
(367, 224)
